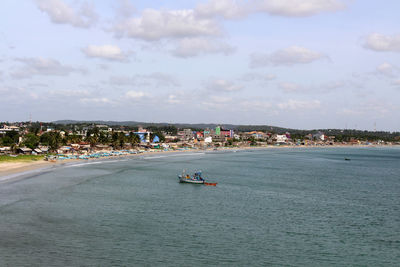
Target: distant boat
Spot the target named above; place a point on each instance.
(347, 159)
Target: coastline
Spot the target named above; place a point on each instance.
(12, 170)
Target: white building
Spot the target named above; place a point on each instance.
(281, 138)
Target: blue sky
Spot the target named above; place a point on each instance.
(292, 63)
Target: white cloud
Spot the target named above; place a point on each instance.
(380, 42)
(290, 87)
(326, 87)
(69, 93)
(220, 99)
(374, 108)
(253, 76)
(258, 105)
(296, 8)
(109, 52)
(191, 47)
(125, 9)
(61, 13)
(228, 9)
(96, 101)
(234, 9)
(135, 95)
(216, 102)
(173, 99)
(396, 83)
(288, 56)
(154, 79)
(154, 25)
(43, 66)
(292, 104)
(386, 69)
(221, 85)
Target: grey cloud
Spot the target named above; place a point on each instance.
(396, 83)
(382, 43)
(288, 56)
(387, 69)
(125, 9)
(234, 9)
(327, 87)
(253, 76)
(191, 47)
(293, 104)
(221, 85)
(228, 9)
(156, 78)
(42, 66)
(297, 8)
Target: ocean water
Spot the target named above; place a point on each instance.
(274, 207)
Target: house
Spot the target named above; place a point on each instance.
(185, 134)
(44, 149)
(320, 136)
(5, 150)
(281, 138)
(7, 128)
(226, 133)
(199, 136)
(37, 151)
(255, 134)
(208, 140)
(25, 150)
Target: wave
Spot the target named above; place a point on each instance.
(174, 155)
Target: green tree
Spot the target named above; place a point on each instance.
(51, 139)
(114, 140)
(14, 136)
(72, 138)
(133, 139)
(92, 140)
(104, 138)
(31, 140)
(7, 141)
(121, 139)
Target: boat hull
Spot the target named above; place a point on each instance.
(189, 181)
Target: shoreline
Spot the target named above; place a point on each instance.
(12, 170)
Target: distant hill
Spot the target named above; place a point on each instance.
(181, 125)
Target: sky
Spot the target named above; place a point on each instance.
(306, 64)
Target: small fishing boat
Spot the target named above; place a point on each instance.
(196, 178)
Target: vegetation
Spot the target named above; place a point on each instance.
(51, 139)
(23, 158)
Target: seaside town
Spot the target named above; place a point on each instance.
(82, 141)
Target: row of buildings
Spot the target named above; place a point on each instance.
(215, 137)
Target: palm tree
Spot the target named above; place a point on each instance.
(133, 139)
(92, 140)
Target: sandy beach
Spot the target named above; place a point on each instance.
(8, 168)
(14, 168)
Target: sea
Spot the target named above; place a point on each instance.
(271, 207)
